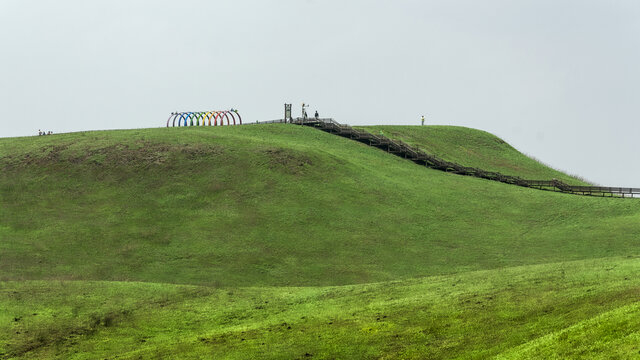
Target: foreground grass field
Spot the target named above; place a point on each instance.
(284, 241)
(585, 308)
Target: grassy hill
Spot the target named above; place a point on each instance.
(143, 242)
(474, 148)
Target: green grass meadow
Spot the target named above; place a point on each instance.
(280, 241)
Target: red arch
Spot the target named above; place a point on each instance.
(216, 114)
(220, 114)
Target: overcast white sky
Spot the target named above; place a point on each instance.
(559, 80)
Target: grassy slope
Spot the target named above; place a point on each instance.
(471, 315)
(475, 148)
(277, 205)
(273, 205)
(612, 335)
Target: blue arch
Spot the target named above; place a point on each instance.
(186, 118)
(178, 117)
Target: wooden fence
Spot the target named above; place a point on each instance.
(399, 148)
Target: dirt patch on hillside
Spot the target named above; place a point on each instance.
(30, 338)
(290, 161)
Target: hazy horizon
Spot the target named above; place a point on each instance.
(557, 80)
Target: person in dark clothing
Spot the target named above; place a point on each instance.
(316, 115)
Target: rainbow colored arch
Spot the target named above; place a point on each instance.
(204, 118)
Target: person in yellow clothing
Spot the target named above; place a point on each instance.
(422, 120)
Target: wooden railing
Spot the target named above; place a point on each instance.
(400, 148)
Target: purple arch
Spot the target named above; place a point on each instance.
(173, 115)
(233, 117)
(226, 114)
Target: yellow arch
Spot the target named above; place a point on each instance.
(209, 117)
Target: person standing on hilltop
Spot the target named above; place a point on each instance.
(316, 115)
(422, 120)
